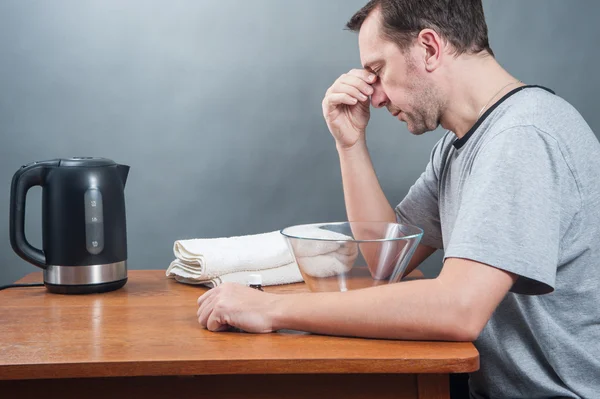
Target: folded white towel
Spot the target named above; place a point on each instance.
(211, 261)
(214, 257)
(286, 274)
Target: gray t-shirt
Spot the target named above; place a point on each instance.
(521, 192)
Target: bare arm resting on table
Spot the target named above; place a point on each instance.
(455, 306)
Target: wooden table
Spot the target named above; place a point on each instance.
(143, 341)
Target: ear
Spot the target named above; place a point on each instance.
(432, 46)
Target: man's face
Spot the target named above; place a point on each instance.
(403, 86)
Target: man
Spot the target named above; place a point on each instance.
(511, 193)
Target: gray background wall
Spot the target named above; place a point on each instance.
(216, 105)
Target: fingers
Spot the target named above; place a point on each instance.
(352, 91)
(209, 316)
(352, 85)
(208, 309)
(349, 89)
(335, 99)
(204, 311)
(205, 305)
(357, 80)
(214, 322)
(363, 74)
(208, 294)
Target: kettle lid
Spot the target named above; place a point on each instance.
(85, 162)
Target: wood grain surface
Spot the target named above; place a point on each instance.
(149, 328)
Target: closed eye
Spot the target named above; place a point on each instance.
(373, 70)
(377, 71)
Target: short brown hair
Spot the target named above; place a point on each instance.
(461, 22)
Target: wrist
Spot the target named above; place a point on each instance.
(357, 148)
(281, 310)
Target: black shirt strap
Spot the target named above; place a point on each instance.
(458, 143)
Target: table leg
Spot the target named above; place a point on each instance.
(433, 386)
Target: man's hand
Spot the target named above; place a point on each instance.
(235, 305)
(346, 107)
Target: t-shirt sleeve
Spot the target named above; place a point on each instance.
(510, 211)
(420, 207)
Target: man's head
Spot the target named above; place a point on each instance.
(409, 45)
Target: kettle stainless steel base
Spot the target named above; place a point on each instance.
(85, 279)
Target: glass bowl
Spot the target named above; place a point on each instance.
(344, 256)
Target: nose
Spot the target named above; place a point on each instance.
(378, 99)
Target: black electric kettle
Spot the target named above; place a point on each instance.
(83, 223)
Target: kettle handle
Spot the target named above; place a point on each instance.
(26, 177)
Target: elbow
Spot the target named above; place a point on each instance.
(467, 325)
(465, 333)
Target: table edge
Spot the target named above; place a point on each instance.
(220, 367)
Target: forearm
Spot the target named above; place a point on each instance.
(406, 310)
(365, 200)
(421, 253)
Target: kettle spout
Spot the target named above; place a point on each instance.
(123, 173)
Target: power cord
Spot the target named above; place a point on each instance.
(2, 287)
